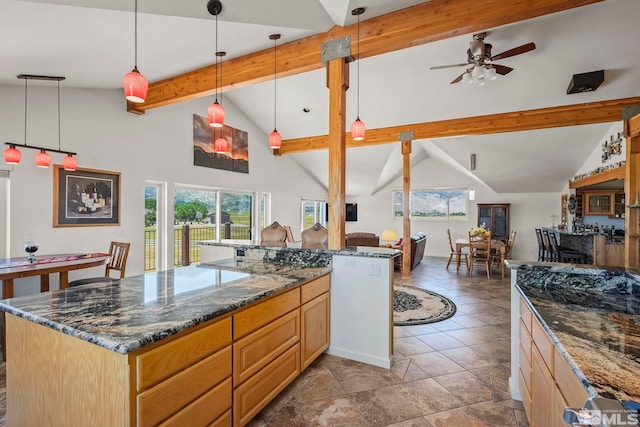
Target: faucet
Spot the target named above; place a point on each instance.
(579, 417)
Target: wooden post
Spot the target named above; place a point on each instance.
(631, 116)
(406, 138)
(338, 83)
(185, 245)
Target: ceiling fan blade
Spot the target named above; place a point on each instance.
(439, 67)
(502, 69)
(457, 79)
(515, 51)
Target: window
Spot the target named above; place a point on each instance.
(443, 203)
(313, 211)
(236, 212)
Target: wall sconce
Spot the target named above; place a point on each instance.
(13, 156)
(472, 162)
(472, 194)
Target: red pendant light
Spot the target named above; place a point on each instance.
(357, 130)
(275, 139)
(69, 163)
(220, 145)
(43, 159)
(357, 127)
(135, 86)
(215, 112)
(134, 83)
(12, 155)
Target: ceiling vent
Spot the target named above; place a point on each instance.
(585, 82)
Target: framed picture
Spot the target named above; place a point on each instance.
(236, 155)
(85, 197)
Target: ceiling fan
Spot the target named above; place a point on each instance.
(480, 66)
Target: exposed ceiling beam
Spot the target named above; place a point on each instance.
(424, 23)
(541, 118)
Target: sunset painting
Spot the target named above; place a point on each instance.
(235, 159)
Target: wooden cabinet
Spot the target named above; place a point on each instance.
(314, 315)
(495, 217)
(547, 383)
(604, 203)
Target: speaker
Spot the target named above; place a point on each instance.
(472, 162)
(585, 82)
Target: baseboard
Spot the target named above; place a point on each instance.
(359, 357)
(515, 392)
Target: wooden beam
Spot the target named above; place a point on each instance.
(541, 118)
(632, 193)
(608, 175)
(423, 23)
(337, 80)
(406, 213)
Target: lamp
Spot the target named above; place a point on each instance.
(134, 83)
(472, 194)
(216, 116)
(220, 144)
(479, 74)
(358, 127)
(13, 156)
(389, 236)
(215, 112)
(275, 139)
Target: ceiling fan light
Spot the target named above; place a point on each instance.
(220, 145)
(135, 86)
(357, 130)
(479, 82)
(490, 73)
(466, 78)
(12, 155)
(43, 159)
(478, 72)
(216, 115)
(275, 140)
(69, 163)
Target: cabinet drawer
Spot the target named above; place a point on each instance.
(206, 409)
(525, 315)
(570, 386)
(525, 342)
(543, 343)
(165, 399)
(314, 288)
(255, 317)
(254, 351)
(225, 420)
(255, 393)
(168, 359)
(525, 370)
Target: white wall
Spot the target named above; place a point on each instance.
(156, 146)
(527, 211)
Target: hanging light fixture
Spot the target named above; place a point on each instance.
(220, 144)
(275, 139)
(357, 127)
(134, 83)
(215, 113)
(13, 156)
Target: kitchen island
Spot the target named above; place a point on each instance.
(575, 336)
(197, 345)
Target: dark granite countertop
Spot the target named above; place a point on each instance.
(144, 309)
(593, 317)
(363, 251)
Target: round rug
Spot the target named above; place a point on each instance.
(415, 306)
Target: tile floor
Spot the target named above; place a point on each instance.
(450, 373)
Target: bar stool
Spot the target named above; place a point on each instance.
(562, 254)
(541, 248)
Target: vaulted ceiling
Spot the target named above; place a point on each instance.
(91, 43)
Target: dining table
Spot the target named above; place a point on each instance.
(499, 245)
(45, 265)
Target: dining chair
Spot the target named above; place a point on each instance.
(452, 252)
(118, 253)
(273, 235)
(480, 250)
(315, 237)
(507, 251)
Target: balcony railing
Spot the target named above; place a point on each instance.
(187, 240)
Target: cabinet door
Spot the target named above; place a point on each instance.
(542, 385)
(484, 217)
(599, 204)
(500, 223)
(315, 328)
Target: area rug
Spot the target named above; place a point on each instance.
(415, 306)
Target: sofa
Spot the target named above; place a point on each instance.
(362, 239)
(418, 245)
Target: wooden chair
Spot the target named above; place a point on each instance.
(480, 250)
(118, 251)
(273, 235)
(541, 247)
(507, 252)
(452, 252)
(315, 237)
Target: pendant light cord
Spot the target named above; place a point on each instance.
(58, 115)
(135, 36)
(358, 90)
(275, 91)
(25, 112)
(216, 54)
